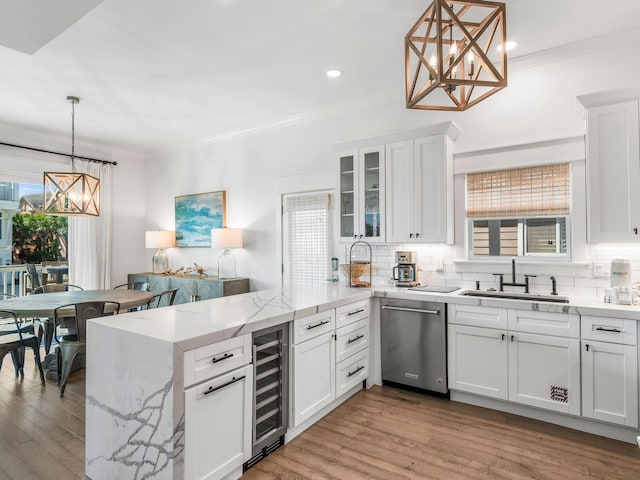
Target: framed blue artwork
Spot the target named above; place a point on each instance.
(196, 215)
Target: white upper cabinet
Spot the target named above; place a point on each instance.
(613, 173)
(361, 183)
(398, 188)
(420, 190)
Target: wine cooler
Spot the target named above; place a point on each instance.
(270, 365)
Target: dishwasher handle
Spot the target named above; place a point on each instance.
(416, 310)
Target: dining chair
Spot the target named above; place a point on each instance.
(16, 342)
(162, 299)
(135, 286)
(55, 287)
(75, 342)
(34, 277)
(7, 328)
(47, 325)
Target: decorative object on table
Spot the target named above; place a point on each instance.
(71, 193)
(226, 238)
(159, 239)
(360, 264)
(196, 215)
(455, 55)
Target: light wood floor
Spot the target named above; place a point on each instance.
(382, 433)
(387, 434)
(41, 435)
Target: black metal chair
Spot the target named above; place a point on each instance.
(7, 328)
(144, 286)
(34, 276)
(75, 342)
(55, 287)
(47, 325)
(162, 299)
(16, 342)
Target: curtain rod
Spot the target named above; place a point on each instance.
(88, 159)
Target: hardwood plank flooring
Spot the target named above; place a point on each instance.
(380, 434)
(41, 435)
(387, 433)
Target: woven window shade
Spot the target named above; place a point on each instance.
(519, 192)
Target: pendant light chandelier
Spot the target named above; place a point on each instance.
(455, 55)
(71, 193)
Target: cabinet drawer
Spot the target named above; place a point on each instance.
(351, 339)
(351, 313)
(212, 360)
(351, 372)
(545, 323)
(473, 316)
(312, 326)
(613, 330)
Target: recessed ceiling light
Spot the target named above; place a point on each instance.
(334, 73)
(509, 45)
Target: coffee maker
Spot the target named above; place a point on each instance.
(404, 273)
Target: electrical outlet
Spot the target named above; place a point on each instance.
(439, 263)
(601, 269)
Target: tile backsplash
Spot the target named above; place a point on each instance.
(438, 264)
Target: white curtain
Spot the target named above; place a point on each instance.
(90, 237)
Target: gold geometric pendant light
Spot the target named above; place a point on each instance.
(455, 55)
(71, 193)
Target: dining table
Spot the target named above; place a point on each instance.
(43, 306)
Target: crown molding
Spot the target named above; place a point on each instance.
(575, 49)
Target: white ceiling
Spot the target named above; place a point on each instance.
(157, 74)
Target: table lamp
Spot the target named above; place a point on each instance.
(160, 239)
(226, 238)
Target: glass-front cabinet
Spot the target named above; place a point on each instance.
(362, 195)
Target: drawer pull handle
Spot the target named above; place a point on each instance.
(351, 340)
(612, 330)
(233, 380)
(311, 327)
(355, 312)
(351, 374)
(224, 357)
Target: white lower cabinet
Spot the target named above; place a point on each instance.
(478, 361)
(218, 425)
(330, 356)
(529, 368)
(610, 370)
(313, 376)
(544, 372)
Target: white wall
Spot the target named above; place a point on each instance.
(538, 104)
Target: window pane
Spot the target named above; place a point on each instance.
(509, 237)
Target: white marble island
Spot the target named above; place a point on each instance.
(135, 373)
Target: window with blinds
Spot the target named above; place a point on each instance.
(306, 238)
(522, 211)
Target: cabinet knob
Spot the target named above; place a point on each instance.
(513, 337)
(635, 231)
(411, 235)
(417, 235)
(355, 236)
(586, 347)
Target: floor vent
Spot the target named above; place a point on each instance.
(265, 452)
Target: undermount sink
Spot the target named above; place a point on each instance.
(515, 296)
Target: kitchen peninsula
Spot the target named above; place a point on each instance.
(135, 407)
(141, 364)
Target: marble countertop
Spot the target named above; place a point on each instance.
(577, 305)
(192, 325)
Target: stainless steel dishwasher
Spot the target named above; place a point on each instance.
(414, 343)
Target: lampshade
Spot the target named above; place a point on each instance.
(455, 55)
(159, 239)
(71, 193)
(226, 238)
